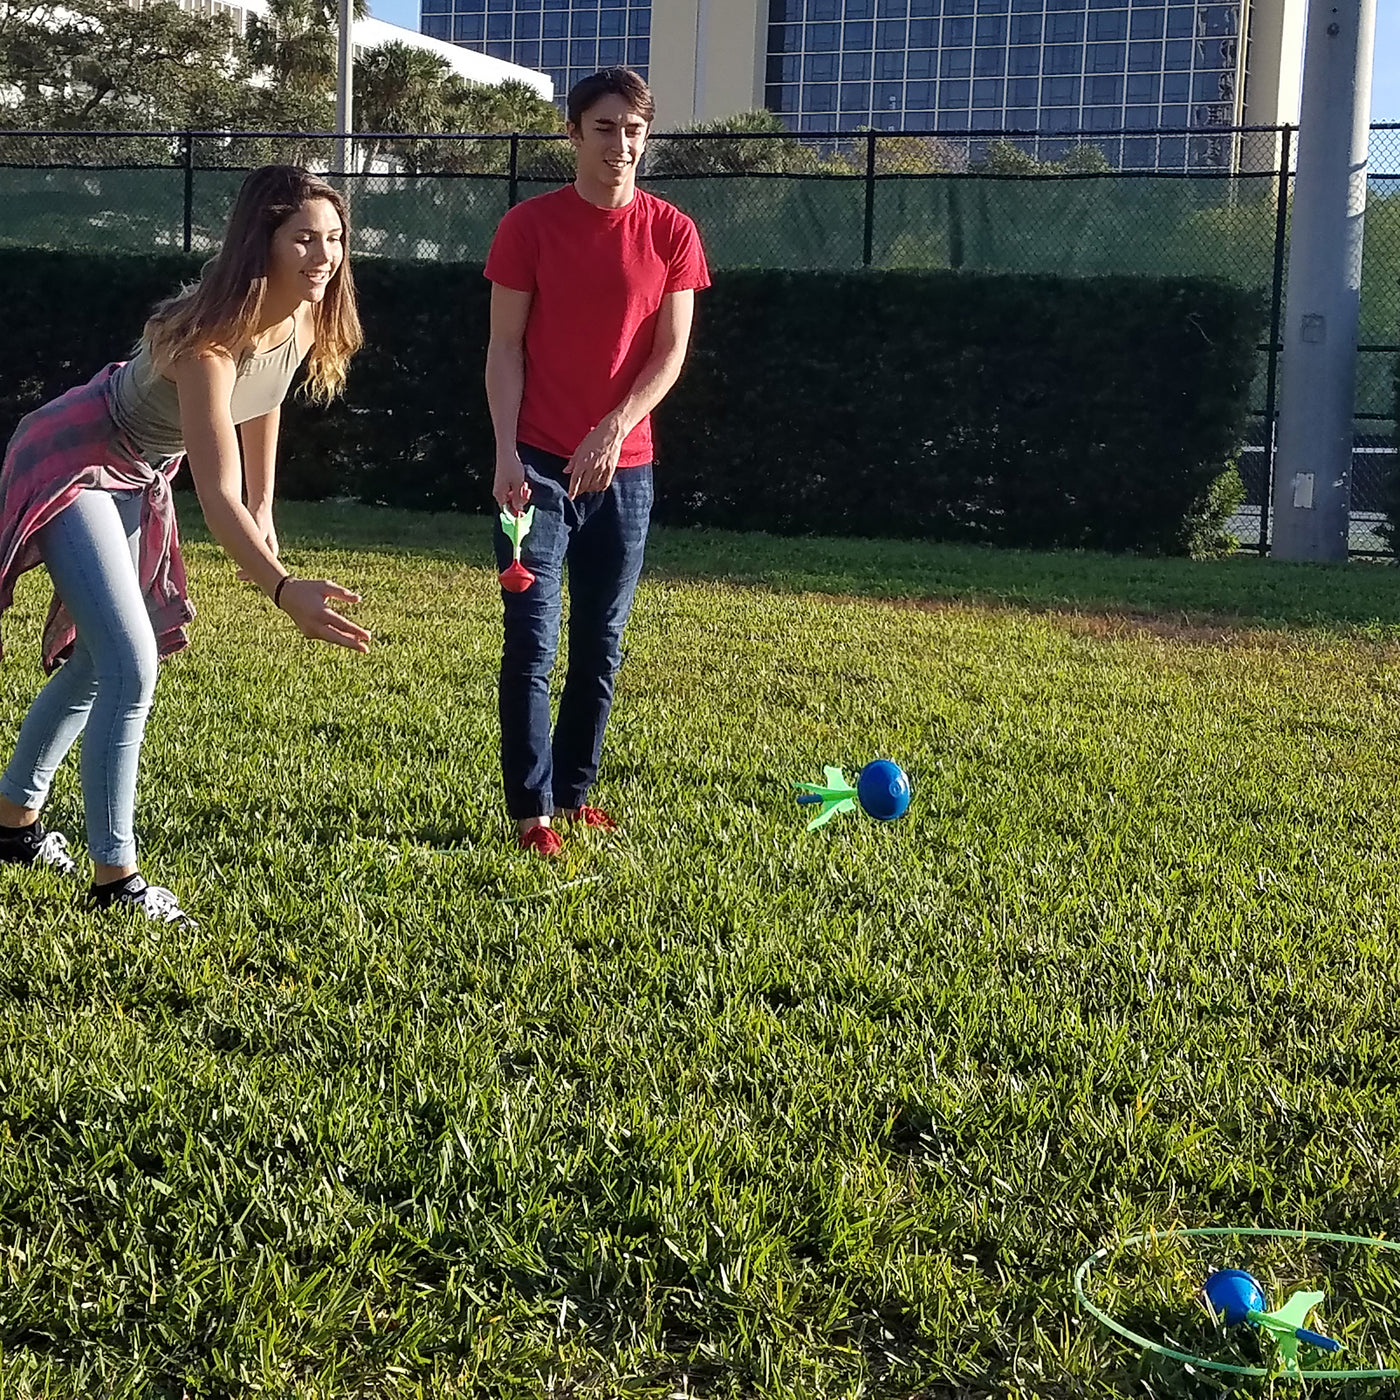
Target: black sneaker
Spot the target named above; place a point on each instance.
(154, 901)
(32, 845)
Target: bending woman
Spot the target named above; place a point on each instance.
(85, 490)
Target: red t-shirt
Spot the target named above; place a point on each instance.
(597, 277)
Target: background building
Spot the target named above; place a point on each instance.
(566, 40)
(946, 65)
(474, 67)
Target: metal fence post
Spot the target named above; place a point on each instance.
(189, 190)
(869, 198)
(513, 193)
(1275, 316)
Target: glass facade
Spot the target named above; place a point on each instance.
(568, 39)
(1013, 65)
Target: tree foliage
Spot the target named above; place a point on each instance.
(747, 143)
(1005, 157)
(102, 65)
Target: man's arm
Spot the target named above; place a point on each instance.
(594, 464)
(505, 387)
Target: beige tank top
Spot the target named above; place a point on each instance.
(145, 405)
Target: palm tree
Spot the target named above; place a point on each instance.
(729, 152)
(511, 108)
(294, 47)
(295, 43)
(401, 90)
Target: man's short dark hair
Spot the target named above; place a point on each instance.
(610, 82)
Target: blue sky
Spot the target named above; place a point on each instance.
(1385, 85)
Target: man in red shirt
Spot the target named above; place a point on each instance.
(593, 290)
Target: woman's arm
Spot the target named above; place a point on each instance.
(594, 462)
(505, 387)
(205, 383)
(259, 437)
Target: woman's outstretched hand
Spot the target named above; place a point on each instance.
(307, 602)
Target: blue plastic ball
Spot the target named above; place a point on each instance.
(1233, 1294)
(883, 790)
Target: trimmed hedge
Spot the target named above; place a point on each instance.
(1030, 411)
(1016, 410)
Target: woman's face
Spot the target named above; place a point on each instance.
(307, 250)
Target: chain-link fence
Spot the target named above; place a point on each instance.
(1166, 202)
(1377, 433)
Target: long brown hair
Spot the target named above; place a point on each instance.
(223, 307)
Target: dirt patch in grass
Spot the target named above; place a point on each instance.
(1198, 629)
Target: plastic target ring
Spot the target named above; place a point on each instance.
(1205, 1363)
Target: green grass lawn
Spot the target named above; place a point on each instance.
(715, 1107)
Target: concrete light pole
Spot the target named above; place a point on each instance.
(1317, 379)
(345, 91)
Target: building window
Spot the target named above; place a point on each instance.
(1107, 26)
(1147, 24)
(1102, 90)
(889, 67)
(1064, 29)
(1144, 57)
(992, 64)
(1144, 87)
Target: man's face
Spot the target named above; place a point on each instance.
(609, 141)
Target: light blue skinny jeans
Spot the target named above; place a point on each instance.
(105, 687)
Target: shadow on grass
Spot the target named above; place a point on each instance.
(1176, 595)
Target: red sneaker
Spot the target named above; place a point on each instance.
(594, 817)
(544, 841)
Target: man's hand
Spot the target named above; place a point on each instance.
(510, 487)
(594, 463)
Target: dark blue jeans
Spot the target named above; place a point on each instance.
(602, 535)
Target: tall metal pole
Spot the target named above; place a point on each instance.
(1285, 174)
(1317, 385)
(345, 91)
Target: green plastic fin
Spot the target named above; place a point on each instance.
(516, 527)
(1283, 1323)
(830, 809)
(1294, 1313)
(835, 778)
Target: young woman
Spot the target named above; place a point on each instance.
(85, 490)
